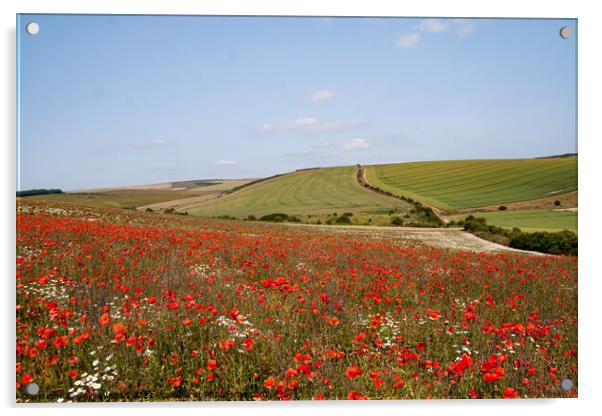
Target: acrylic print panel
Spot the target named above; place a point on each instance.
(295, 208)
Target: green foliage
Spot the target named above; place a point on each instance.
(33, 192)
(277, 217)
(562, 242)
(396, 221)
(502, 207)
(343, 219)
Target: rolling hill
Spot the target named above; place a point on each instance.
(137, 196)
(314, 191)
(460, 184)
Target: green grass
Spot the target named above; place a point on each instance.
(531, 221)
(318, 191)
(460, 184)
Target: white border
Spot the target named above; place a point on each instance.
(590, 271)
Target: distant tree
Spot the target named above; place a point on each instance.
(33, 192)
(396, 221)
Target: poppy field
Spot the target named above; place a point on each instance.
(140, 307)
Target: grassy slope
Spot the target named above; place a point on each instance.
(132, 198)
(307, 192)
(460, 184)
(531, 220)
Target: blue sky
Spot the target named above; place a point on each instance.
(123, 100)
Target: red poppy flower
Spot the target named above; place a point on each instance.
(104, 319)
(353, 372)
(269, 383)
(175, 381)
(248, 342)
(510, 393)
(211, 365)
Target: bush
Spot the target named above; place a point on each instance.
(169, 211)
(503, 208)
(563, 242)
(343, 219)
(149, 210)
(277, 217)
(251, 218)
(396, 221)
(226, 217)
(32, 192)
(557, 203)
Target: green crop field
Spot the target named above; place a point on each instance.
(315, 191)
(531, 221)
(460, 184)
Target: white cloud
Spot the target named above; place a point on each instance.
(322, 95)
(356, 144)
(308, 124)
(226, 162)
(464, 27)
(434, 25)
(410, 40)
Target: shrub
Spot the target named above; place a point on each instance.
(343, 219)
(396, 221)
(502, 207)
(226, 217)
(252, 218)
(277, 217)
(149, 210)
(32, 192)
(557, 203)
(563, 242)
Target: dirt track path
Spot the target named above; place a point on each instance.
(453, 238)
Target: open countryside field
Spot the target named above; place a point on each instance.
(135, 197)
(531, 221)
(117, 305)
(460, 184)
(315, 191)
